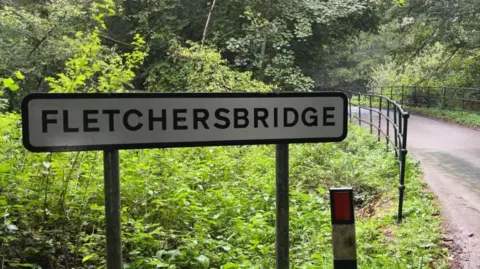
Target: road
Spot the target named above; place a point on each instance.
(449, 155)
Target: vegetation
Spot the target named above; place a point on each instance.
(208, 207)
(470, 119)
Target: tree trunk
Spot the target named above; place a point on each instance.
(208, 22)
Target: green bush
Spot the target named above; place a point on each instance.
(210, 207)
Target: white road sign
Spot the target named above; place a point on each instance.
(70, 122)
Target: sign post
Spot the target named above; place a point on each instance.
(113, 207)
(110, 122)
(282, 242)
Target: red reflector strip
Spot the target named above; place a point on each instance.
(341, 206)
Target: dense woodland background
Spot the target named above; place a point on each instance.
(182, 45)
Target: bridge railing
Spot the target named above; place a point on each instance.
(386, 119)
(454, 98)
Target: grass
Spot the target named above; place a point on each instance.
(470, 119)
(210, 207)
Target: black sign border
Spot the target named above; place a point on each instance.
(33, 96)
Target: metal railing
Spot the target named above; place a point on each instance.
(388, 121)
(454, 98)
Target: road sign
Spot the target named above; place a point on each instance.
(71, 122)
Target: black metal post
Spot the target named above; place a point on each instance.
(403, 164)
(350, 106)
(415, 96)
(387, 139)
(371, 116)
(359, 111)
(402, 95)
(380, 118)
(428, 97)
(111, 168)
(282, 243)
(395, 129)
(444, 91)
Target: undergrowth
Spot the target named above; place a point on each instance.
(210, 207)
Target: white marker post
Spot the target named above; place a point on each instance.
(110, 122)
(343, 228)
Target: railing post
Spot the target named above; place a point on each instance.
(402, 95)
(380, 118)
(403, 163)
(395, 129)
(350, 105)
(359, 111)
(415, 96)
(444, 92)
(428, 97)
(387, 139)
(371, 116)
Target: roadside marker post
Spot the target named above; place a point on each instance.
(111, 122)
(343, 228)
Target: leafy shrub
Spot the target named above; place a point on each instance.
(200, 69)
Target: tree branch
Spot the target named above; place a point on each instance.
(208, 22)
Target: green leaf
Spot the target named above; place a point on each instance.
(86, 258)
(8, 82)
(19, 75)
(204, 261)
(230, 265)
(14, 87)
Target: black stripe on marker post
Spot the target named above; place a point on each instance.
(343, 228)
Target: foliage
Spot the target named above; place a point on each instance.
(94, 68)
(31, 40)
(280, 42)
(200, 69)
(207, 207)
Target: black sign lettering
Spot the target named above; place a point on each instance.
(66, 128)
(262, 118)
(152, 119)
(111, 113)
(313, 117)
(275, 117)
(177, 119)
(285, 117)
(87, 120)
(46, 120)
(237, 118)
(127, 124)
(203, 119)
(225, 119)
(328, 116)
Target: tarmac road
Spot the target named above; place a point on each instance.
(449, 155)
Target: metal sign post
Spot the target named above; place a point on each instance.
(109, 122)
(113, 208)
(282, 230)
